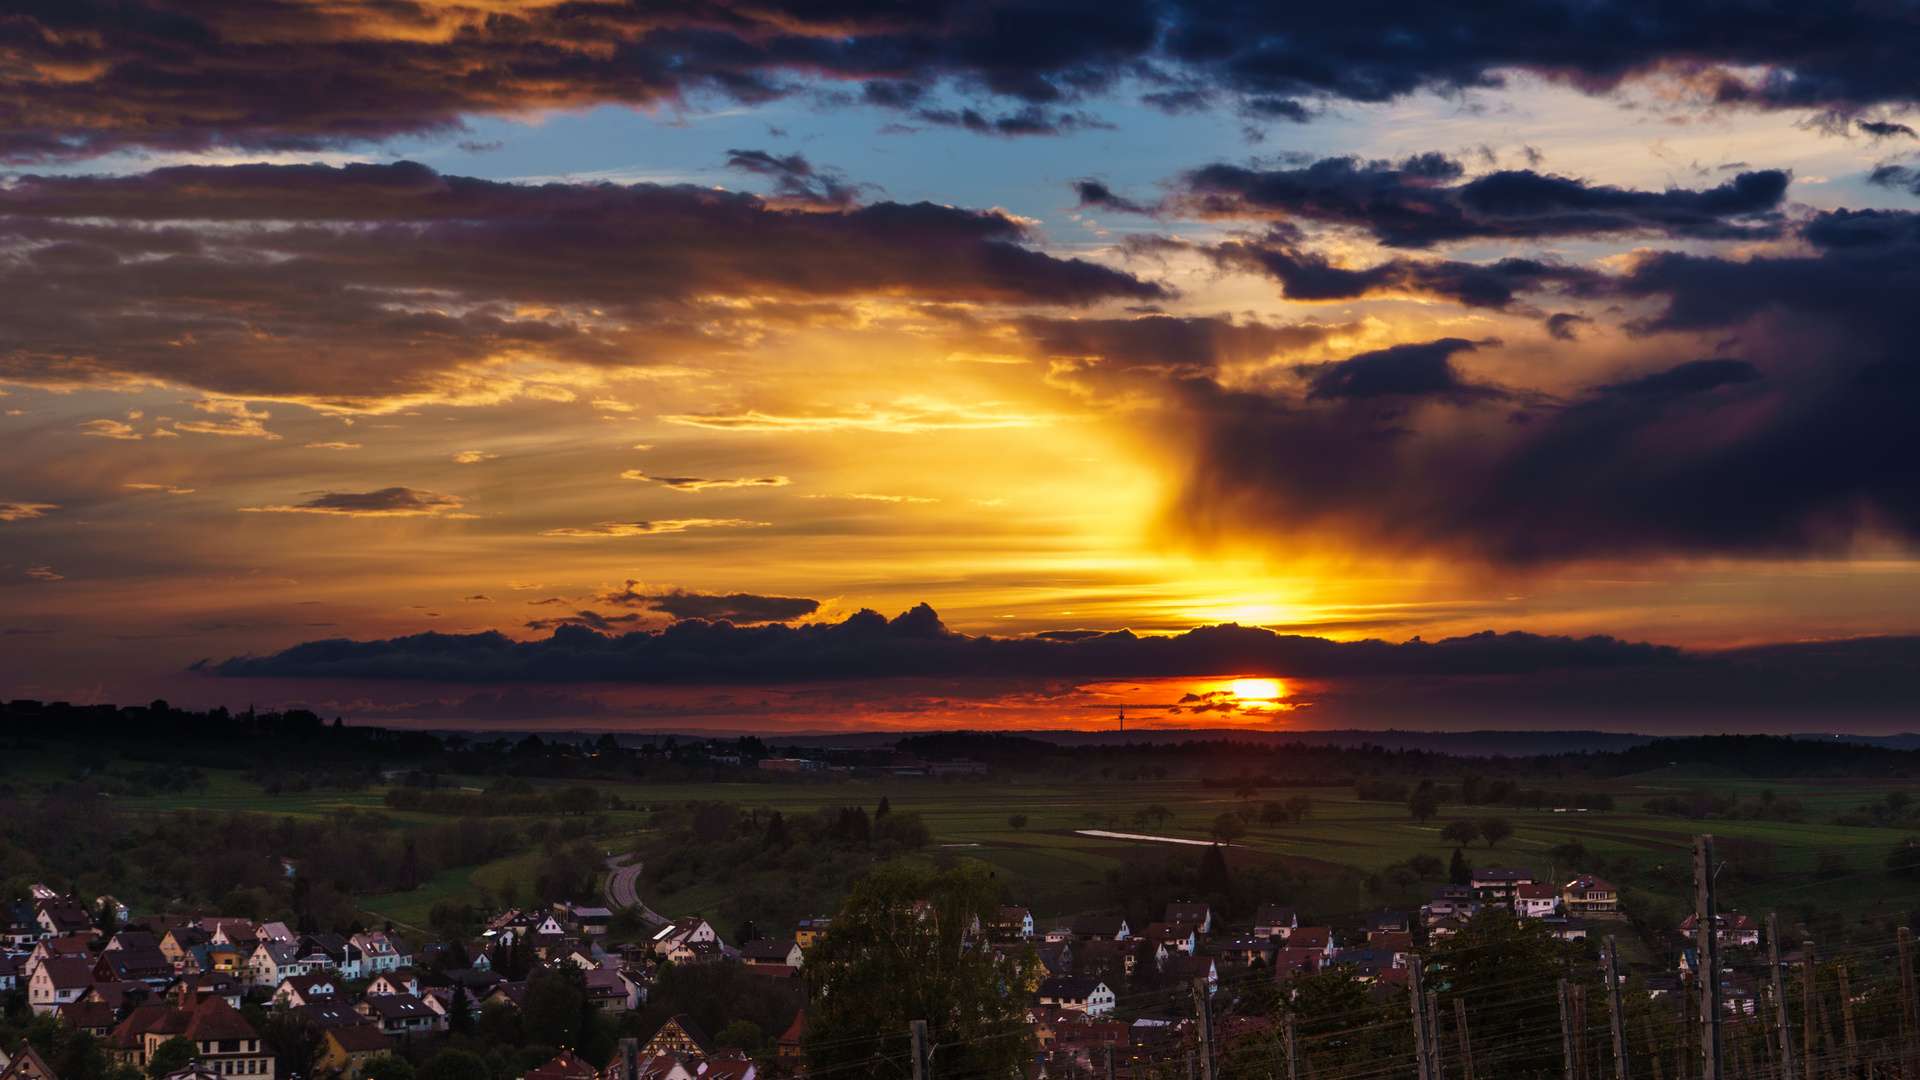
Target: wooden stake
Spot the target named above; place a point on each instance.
(1617, 1019)
(1653, 1045)
(1466, 1045)
(1707, 942)
(1434, 1069)
(1808, 1048)
(1907, 1025)
(1846, 1018)
(919, 1033)
(1293, 1050)
(1566, 1028)
(1784, 1023)
(1203, 1004)
(1417, 998)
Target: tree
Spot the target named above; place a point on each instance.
(1427, 866)
(296, 1041)
(1495, 829)
(904, 828)
(1273, 813)
(776, 830)
(1300, 808)
(1462, 832)
(460, 1012)
(901, 951)
(1458, 872)
(1246, 789)
(742, 1034)
(1424, 805)
(1159, 813)
(883, 809)
(387, 1067)
(1507, 971)
(578, 799)
(1018, 821)
(1904, 860)
(1227, 828)
(172, 1056)
(455, 1065)
(1213, 877)
(555, 999)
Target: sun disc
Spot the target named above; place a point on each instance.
(1256, 689)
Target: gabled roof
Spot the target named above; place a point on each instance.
(1502, 874)
(133, 939)
(564, 1067)
(1187, 912)
(1589, 883)
(332, 1013)
(1098, 925)
(358, 1039)
(691, 1030)
(68, 972)
(1537, 892)
(213, 1018)
(795, 1030)
(1274, 915)
(398, 1006)
(1069, 987)
(768, 949)
(87, 1015)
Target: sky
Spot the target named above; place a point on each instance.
(836, 366)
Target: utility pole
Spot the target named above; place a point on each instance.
(1846, 1016)
(1780, 997)
(1203, 1004)
(1613, 1010)
(1707, 938)
(920, 1070)
(1109, 1059)
(1417, 994)
(1466, 1044)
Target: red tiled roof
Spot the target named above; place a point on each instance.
(564, 1067)
(358, 1039)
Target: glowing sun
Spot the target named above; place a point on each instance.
(1255, 689)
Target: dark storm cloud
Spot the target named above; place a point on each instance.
(733, 607)
(1797, 441)
(1310, 276)
(1896, 176)
(794, 177)
(1420, 370)
(84, 76)
(867, 644)
(1419, 202)
(350, 284)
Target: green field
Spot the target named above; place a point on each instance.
(1059, 872)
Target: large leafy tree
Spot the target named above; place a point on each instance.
(1508, 971)
(910, 945)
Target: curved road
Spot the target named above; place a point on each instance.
(623, 888)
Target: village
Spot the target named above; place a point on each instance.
(164, 993)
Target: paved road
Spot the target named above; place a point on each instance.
(623, 888)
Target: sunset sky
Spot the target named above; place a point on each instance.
(1587, 328)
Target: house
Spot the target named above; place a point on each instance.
(9, 974)
(1732, 929)
(297, 990)
(686, 931)
(664, 1067)
(1589, 895)
(510, 995)
(1057, 959)
(56, 981)
(789, 1042)
(133, 939)
(91, 1015)
(1077, 994)
(1271, 921)
(148, 965)
(726, 1069)
(1312, 937)
(1496, 884)
(1388, 922)
(346, 1050)
(1535, 901)
(592, 921)
(380, 953)
(1101, 928)
(195, 987)
(1248, 949)
(1448, 901)
(19, 925)
(680, 1037)
(696, 952)
(1016, 922)
(274, 962)
(26, 1065)
(224, 1041)
(180, 940)
(564, 1067)
(1185, 969)
(771, 953)
(1200, 915)
(1172, 937)
(607, 990)
(400, 1014)
(397, 981)
(1566, 927)
(808, 930)
(63, 917)
(1290, 961)
(1367, 964)
(335, 1012)
(120, 995)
